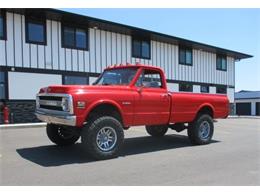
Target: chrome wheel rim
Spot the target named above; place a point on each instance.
(204, 130)
(106, 138)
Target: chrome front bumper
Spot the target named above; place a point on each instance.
(69, 120)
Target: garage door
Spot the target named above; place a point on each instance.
(257, 109)
(243, 108)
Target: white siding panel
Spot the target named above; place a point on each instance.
(87, 65)
(74, 60)
(10, 38)
(2, 53)
(118, 48)
(18, 40)
(114, 48)
(123, 49)
(61, 50)
(26, 52)
(81, 61)
(41, 63)
(97, 51)
(103, 50)
(92, 50)
(68, 58)
(48, 50)
(174, 87)
(54, 42)
(129, 48)
(108, 48)
(33, 54)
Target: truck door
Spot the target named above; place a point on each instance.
(152, 102)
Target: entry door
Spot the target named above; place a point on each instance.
(152, 102)
(243, 108)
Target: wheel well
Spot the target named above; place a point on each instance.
(105, 110)
(206, 110)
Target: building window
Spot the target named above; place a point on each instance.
(204, 89)
(141, 48)
(74, 38)
(2, 86)
(185, 87)
(35, 31)
(221, 89)
(185, 56)
(2, 26)
(221, 62)
(75, 80)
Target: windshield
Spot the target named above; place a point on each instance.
(121, 76)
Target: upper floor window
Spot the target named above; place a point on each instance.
(221, 89)
(141, 48)
(204, 89)
(35, 31)
(150, 79)
(2, 26)
(74, 38)
(185, 87)
(185, 56)
(221, 62)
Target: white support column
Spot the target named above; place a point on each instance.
(253, 108)
(196, 88)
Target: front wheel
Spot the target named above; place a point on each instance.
(103, 137)
(201, 130)
(156, 130)
(62, 136)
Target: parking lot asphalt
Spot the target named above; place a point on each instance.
(27, 157)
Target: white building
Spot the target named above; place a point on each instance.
(247, 103)
(40, 47)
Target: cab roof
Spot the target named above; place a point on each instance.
(137, 65)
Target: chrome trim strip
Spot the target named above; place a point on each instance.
(69, 120)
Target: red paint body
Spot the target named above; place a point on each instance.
(146, 106)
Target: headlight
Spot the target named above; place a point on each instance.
(65, 104)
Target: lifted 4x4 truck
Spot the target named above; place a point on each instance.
(125, 96)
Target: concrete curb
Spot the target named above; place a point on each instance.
(248, 117)
(24, 125)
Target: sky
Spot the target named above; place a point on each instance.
(234, 29)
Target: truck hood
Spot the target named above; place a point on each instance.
(80, 88)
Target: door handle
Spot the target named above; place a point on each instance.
(164, 95)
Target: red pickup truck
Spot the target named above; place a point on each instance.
(125, 96)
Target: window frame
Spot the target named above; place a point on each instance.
(148, 87)
(74, 27)
(186, 84)
(3, 15)
(185, 50)
(221, 56)
(35, 21)
(141, 40)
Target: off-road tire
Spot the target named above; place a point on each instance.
(156, 130)
(194, 130)
(89, 137)
(61, 136)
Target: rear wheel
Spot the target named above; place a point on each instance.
(62, 136)
(156, 130)
(103, 137)
(201, 130)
